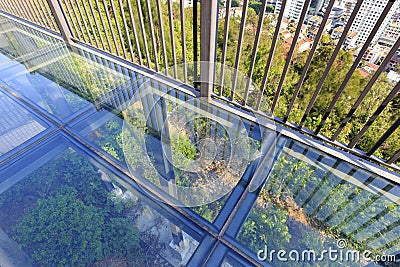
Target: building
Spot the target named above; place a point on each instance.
(336, 14)
(394, 63)
(368, 16)
(390, 34)
(293, 8)
(318, 6)
(351, 39)
(376, 53)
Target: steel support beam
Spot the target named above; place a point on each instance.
(62, 23)
(208, 34)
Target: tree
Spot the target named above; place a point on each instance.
(61, 231)
(235, 3)
(121, 237)
(269, 9)
(256, 6)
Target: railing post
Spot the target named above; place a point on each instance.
(208, 30)
(60, 19)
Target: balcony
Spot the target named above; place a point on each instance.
(138, 133)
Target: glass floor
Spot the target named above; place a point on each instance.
(105, 165)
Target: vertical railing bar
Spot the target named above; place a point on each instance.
(311, 171)
(35, 14)
(162, 35)
(331, 61)
(61, 65)
(2, 6)
(322, 181)
(20, 8)
(195, 43)
(391, 244)
(332, 192)
(271, 54)
(224, 46)
(394, 157)
(309, 58)
(81, 17)
(121, 10)
(254, 52)
(60, 19)
(28, 12)
(101, 75)
(384, 137)
(90, 22)
(278, 175)
(373, 220)
(97, 25)
(104, 25)
(143, 30)
(81, 31)
(49, 22)
(365, 205)
(290, 54)
(135, 35)
(10, 10)
(391, 95)
(376, 75)
(290, 176)
(111, 27)
(171, 29)
(239, 48)
(105, 73)
(183, 36)
(152, 35)
(118, 28)
(348, 199)
(52, 17)
(36, 11)
(23, 11)
(75, 28)
(43, 14)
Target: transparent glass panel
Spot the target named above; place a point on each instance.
(119, 128)
(17, 124)
(68, 209)
(312, 203)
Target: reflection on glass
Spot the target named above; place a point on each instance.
(17, 125)
(18, 40)
(312, 202)
(58, 78)
(71, 212)
(128, 139)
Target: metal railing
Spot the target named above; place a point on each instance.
(365, 193)
(164, 36)
(35, 11)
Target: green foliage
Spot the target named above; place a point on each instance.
(256, 6)
(235, 3)
(65, 217)
(265, 227)
(120, 237)
(269, 9)
(62, 231)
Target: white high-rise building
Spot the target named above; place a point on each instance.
(367, 17)
(293, 8)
